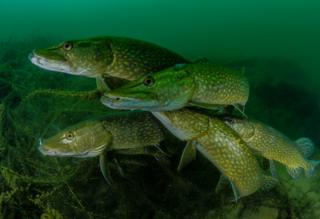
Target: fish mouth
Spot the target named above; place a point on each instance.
(126, 103)
(51, 64)
(45, 150)
(55, 153)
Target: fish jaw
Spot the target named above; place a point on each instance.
(56, 62)
(59, 65)
(61, 151)
(137, 102)
(129, 102)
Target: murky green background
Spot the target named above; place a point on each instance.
(215, 29)
(277, 42)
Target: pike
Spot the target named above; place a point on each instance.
(109, 59)
(199, 84)
(126, 134)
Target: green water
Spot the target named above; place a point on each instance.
(277, 43)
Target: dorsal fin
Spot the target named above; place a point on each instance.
(101, 84)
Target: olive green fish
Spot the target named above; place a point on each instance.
(108, 57)
(275, 146)
(220, 145)
(123, 134)
(197, 84)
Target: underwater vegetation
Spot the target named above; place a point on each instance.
(36, 103)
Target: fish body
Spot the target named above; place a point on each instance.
(90, 138)
(221, 145)
(197, 84)
(218, 142)
(274, 145)
(106, 57)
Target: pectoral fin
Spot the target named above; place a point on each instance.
(104, 167)
(236, 192)
(222, 183)
(101, 84)
(188, 155)
(225, 182)
(121, 172)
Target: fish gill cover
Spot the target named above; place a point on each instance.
(276, 42)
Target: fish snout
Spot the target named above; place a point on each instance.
(110, 100)
(31, 56)
(41, 147)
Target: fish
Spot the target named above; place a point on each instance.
(108, 59)
(127, 134)
(220, 144)
(200, 84)
(275, 146)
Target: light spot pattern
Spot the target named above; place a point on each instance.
(137, 129)
(134, 58)
(220, 144)
(218, 85)
(107, 57)
(90, 138)
(269, 142)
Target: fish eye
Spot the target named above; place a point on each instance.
(67, 46)
(69, 136)
(148, 81)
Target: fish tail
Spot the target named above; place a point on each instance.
(312, 167)
(305, 146)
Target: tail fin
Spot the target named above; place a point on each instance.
(305, 146)
(311, 170)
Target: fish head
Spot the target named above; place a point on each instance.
(87, 139)
(165, 90)
(88, 58)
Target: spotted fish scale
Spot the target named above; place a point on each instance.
(218, 85)
(115, 57)
(219, 144)
(270, 143)
(232, 156)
